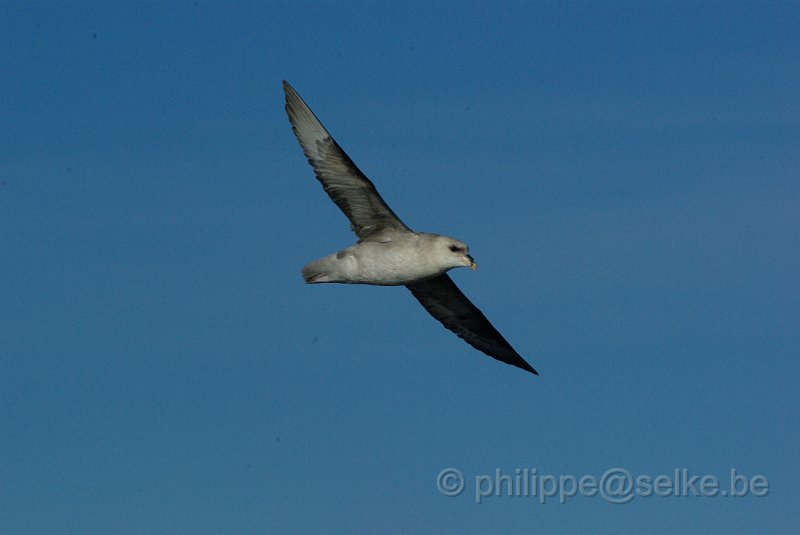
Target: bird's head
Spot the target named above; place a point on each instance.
(455, 253)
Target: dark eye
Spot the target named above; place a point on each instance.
(455, 248)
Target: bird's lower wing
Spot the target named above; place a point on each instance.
(441, 297)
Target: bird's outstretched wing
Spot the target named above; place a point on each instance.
(346, 185)
(441, 297)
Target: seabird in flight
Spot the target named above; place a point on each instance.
(389, 253)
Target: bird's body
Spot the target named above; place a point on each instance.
(388, 253)
(398, 258)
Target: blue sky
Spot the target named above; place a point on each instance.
(626, 176)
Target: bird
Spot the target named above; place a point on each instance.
(389, 253)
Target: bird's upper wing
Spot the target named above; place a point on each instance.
(346, 185)
(441, 297)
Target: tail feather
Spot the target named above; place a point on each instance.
(316, 272)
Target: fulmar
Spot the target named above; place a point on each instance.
(388, 253)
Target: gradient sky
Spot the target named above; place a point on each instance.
(626, 176)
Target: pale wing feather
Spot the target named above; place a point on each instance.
(346, 185)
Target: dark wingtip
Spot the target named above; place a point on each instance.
(529, 368)
(520, 363)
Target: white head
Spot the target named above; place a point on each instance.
(453, 253)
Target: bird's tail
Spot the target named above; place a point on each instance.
(317, 271)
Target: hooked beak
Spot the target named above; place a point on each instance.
(472, 265)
